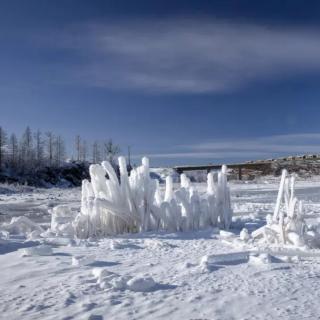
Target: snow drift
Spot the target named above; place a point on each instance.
(136, 204)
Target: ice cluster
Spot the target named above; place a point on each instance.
(136, 204)
(287, 226)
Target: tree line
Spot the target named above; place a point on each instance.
(36, 150)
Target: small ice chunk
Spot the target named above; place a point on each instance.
(269, 219)
(42, 250)
(224, 258)
(244, 235)
(21, 225)
(263, 258)
(115, 245)
(61, 220)
(82, 260)
(100, 272)
(118, 283)
(4, 235)
(295, 239)
(103, 275)
(141, 284)
(226, 234)
(35, 234)
(105, 285)
(59, 241)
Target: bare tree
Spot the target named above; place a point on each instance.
(3, 141)
(26, 149)
(78, 147)
(111, 150)
(33, 151)
(49, 145)
(96, 155)
(83, 151)
(13, 150)
(59, 150)
(39, 148)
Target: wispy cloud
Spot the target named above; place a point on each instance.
(190, 55)
(247, 149)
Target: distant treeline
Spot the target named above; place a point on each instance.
(36, 150)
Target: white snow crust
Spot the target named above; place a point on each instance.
(163, 273)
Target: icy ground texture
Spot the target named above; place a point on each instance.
(110, 207)
(156, 275)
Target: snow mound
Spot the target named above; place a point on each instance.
(141, 284)
(102, 274)
(110, 280)
(122, 244)
(84, 260)
(158, 244)
(118, 283)
(22, 226)
(42, 250)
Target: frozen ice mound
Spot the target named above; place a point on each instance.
(41, 250)
(102, 274)
(83, 260)
(141, 284)
(287, 227)
(225, 258)
(109, 280)
(22, 226)
(260, 259)
(62, 219)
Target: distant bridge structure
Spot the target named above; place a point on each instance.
(263, 166)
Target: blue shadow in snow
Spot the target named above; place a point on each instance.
(14, 246)
(99, 263)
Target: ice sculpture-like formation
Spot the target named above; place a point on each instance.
(287, 226)
(136, 203)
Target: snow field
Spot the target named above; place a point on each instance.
(159, 274)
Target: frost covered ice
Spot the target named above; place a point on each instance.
(62, 220)
(82, 260)
(135, 203)
(21, 225)
(42, 250)
(209, 273)
(287, 226)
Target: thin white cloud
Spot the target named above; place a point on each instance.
(192, 55)
(202, 155)
(247, 149)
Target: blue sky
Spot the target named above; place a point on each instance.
(184, 82)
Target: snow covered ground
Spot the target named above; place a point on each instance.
(155, 275)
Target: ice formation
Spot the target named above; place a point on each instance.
(21, 225)
(135, 203)
(141, 284)
(61, 220)
(41, 250)
(287, 226)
